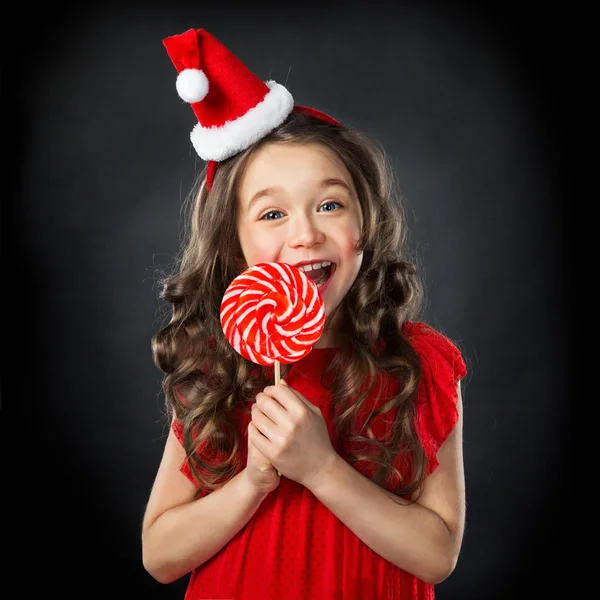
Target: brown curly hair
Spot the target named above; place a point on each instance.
(205, 379)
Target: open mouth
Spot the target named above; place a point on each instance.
(321, 275)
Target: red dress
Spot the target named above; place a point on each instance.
(294, 547)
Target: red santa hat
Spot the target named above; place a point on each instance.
(233, 106)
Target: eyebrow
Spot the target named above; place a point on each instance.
(324, 183)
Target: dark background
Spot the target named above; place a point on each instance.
(98, 149)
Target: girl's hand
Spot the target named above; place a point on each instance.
(291, 433)
(261, 474)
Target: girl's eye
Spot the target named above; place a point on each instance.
(268, 216)
(327, 206)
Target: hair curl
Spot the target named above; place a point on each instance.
(204, 379)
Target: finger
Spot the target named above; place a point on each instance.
(262, 422)
(284, 394)
(257, 439)
(289, 398)
(272, 408)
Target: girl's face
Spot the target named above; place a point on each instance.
(297, 204)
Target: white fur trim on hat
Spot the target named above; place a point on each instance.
(219, 143)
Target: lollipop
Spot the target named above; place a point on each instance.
(272, 313)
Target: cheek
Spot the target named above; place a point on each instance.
(257, 247)
(349, 241)
(352, 258)
(352, 232)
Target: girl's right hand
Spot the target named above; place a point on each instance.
(261, 474)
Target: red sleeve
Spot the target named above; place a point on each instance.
(209, 454)
(184, 468)
(442, 366)
(177, 427)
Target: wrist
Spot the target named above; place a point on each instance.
(325, 474)
(249, 490)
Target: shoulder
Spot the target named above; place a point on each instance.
(438, 395)
(434, 348)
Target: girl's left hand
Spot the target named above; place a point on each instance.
(291, 433)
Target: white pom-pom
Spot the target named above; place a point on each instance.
(192, 85)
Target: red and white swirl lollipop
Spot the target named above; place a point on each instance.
(272, 313)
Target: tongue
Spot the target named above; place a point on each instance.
(319, 276)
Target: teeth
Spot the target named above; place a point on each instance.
(314, 266)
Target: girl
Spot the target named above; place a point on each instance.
(346, 479)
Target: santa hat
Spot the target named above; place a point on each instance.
(233, 106)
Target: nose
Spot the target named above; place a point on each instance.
(304, 232)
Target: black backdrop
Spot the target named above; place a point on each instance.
(99, 151)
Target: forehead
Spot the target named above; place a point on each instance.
(291, 167)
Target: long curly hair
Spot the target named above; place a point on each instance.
(205, 379)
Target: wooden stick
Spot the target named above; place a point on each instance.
(277, 372)
(277, 377)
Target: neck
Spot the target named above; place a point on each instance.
(328, 339)
(331, 333)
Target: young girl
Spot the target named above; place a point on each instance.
(345, 480)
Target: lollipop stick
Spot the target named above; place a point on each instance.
(277, 377)
(277, 372)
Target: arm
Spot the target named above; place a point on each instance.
(179, 532)
(423, 538)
